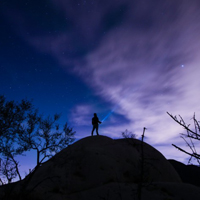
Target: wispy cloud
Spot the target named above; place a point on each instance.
(81, 115)
(149, 72)
(142, 57)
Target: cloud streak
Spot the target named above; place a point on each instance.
(142, 71)
(141, 56)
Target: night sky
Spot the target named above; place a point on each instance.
(131, 60)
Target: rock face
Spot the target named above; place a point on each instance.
(99, 167)
(97, 160)
(188, 173)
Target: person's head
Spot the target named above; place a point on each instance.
(95, 114)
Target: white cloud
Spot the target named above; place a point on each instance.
(142, 73)
(137, 65)
(81, 115)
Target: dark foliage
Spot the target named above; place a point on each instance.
(22, 129)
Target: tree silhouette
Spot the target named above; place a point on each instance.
(45, 136)
(22, 129)
(8, 169)
(190, 137)
(12, 115)
(128, 134)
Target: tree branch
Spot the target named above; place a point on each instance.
(182, 124)
(193, 155)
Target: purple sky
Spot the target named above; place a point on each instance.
(136, 59)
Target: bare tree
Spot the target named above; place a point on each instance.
(8, 170)
(128, 134)
(12, 115)
(44, 136)
(22, 129)
(190, 136)
(10, 165)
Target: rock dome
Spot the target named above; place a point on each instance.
(94, 161)
(97, 166)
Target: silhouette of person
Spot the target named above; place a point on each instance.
(95, 123)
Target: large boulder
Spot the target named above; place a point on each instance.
(97, 160)
(188, 173)
(98, 167)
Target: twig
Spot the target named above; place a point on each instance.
(193, 155)
(142, 167)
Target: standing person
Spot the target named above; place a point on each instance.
(95, 123)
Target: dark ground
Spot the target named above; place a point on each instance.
(188, 173)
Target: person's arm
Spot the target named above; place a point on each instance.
(99, 121)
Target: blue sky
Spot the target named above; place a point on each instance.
(136, 59)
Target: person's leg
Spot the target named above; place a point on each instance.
(93, 130)
(97, 128)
